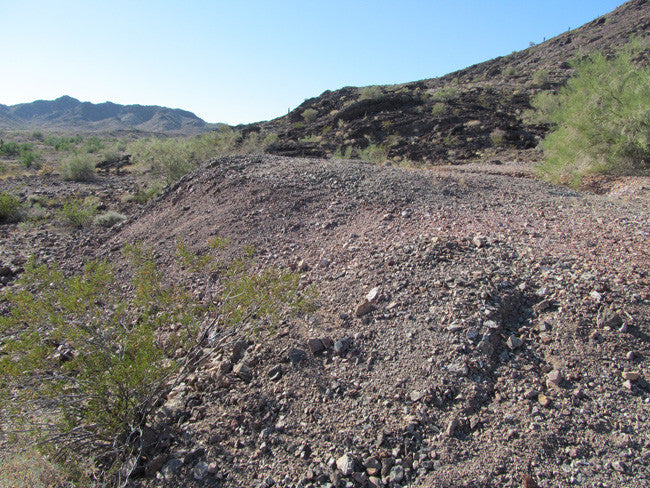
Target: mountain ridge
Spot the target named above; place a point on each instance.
(68, 113)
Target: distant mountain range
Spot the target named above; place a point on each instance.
(69, 114)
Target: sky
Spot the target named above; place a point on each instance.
(249, 60)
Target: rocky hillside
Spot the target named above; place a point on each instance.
(467, 115)
(470, 329)
(69, 114)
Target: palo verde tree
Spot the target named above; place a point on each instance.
(600, 119)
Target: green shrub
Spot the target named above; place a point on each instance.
(371, 92)
(10, 208)
(29, 159)
(86, 362)
(310, 115)
(600, 120)
(438, 109)
(10, 148)
(77, 213)
(63, 143)
(498, 137)
(93, 144)
(78, 168)
(540, 78)
(444, 95)
(108, 219)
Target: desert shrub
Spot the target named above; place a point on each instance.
(10, 148)
(169, 159)
(498, 137)
(93, 144)
(371, 92)
(510, 72)
(63, 143)
(10, 208)
(37, 136)
(77, 213)
(443, 95)
(373, 152)
(310, 115)
(85, 364)
(600, 120)
(80, 167)
(145, 194)
(29, 159)
(540, 77)
(438, 109)
(108, 219)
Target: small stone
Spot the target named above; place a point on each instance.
(417, 395)
(153, 466)
(472, 333)
(374, 482)
(275, 373)
(631, 375)
(609, 318)
(342, 346)
(373, 295)
(363, 308)
(619, 466)
(485, 347)
(243, 372)
(630, 356)
(543, 306)
(396, 474)
(238, 350)
(543, 400)
(595, 335)
(530, 394)
(372, 465)
(554, 378)
(200, 471)
(628, 385)
(514, 342)
(296, 355)
(315, 345)
(451, 427)
(303, 266)
(171, 467)
(346, 464)
(479, 241)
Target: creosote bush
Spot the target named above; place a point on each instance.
(600, 120)
(85, 360)
(10, 208)
(80, 167)
(77, 212)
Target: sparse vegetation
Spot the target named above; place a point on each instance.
(10, 208)
(108, 219)
(80, 167)
(310, 115)
(371, 92)
(77, 213)
(85, 364)
(600, 119)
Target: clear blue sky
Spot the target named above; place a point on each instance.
(249, 60)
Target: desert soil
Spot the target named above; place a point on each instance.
(474, 326)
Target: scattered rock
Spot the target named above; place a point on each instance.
(243, 372)
(554, 379)
(363, 308)
(346, 464)
(296, 355)
(451, 427)
(315, 346)
(514, 342)
(631, 375)
(608, 318)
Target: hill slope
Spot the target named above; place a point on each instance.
(69, 114)
(470, 114)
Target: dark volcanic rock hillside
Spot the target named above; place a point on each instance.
(67, 113)
(466, 115)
